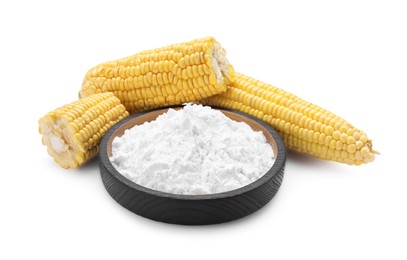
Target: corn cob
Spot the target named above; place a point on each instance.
(72, 132)
(303, 126)
(170, 75)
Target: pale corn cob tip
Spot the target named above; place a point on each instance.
(72, 132)
(171, 75)
(304, 127)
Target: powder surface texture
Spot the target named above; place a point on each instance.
(196, 150)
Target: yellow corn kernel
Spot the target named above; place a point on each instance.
(320, 132)
(72, 132)
(200, 63)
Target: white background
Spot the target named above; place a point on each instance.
(349, 57)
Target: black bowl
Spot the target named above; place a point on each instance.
(192, 209)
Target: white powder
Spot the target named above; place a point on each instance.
(195, 150)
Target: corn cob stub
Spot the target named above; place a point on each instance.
(303, 126)
(170, 75)
(72, 132)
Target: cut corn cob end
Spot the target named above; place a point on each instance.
(223, 69)
(72, 133)
(304, 127)
(171, 75)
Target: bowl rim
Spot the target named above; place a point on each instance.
(278, 163)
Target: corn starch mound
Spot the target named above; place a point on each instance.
(196, 150)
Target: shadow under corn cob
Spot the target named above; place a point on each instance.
(175, 74)
(304, 127)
